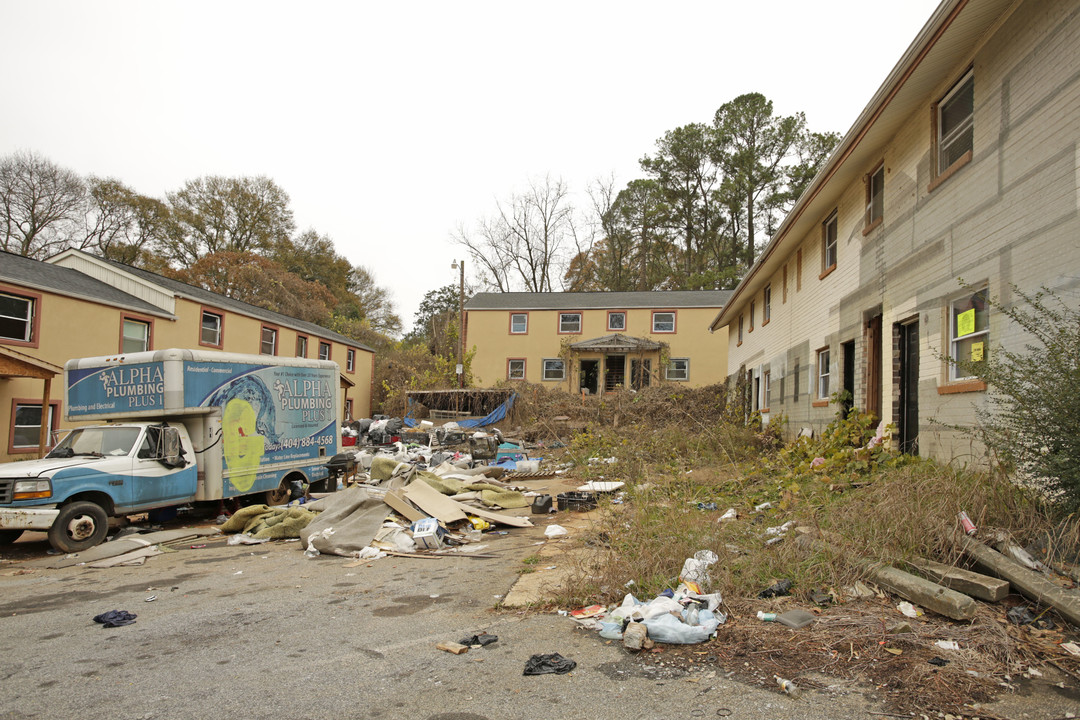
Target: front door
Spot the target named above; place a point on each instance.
(873, 367)
(614, 372)
(909, 388)
(590, 376)
(156, 483)
(848, 351)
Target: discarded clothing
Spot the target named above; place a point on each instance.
(274, 523)
(483, 639)
(115, 618)
(545, 664)
(777, 589)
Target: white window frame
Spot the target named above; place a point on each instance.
(323, 345)
(350, 360)
(524, 323)
(125, 338)
(670, 372)
(619, 314)
(875, 181)
(656, 314)
(549, 364)
(824, 368)
(510, 374)
(766, 304)
(978, 335)
(33, 444)
(301, 340)
(563, 317)
(28, 319)
(268, 334)
(216, 341)
(766, 388)
(965, 125)
(829, 245)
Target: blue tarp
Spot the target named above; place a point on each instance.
(493, 417)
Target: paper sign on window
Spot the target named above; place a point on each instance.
(965, 323)
(977, 352)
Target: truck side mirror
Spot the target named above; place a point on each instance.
(171, 449)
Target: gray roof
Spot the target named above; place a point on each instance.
(66, 281)
(659, 300)
(616, 343)
(212, 298)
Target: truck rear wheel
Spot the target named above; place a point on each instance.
(78, 527)
(7, 537)
(279, 495)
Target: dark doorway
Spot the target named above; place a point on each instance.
(614, 372)
(847, 351)
(873, 367)
(909, 387)
(640, 370)
(590, 376)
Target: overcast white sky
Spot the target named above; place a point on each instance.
(390, 124)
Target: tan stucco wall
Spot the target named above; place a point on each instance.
(1007, 217)
(488, 334)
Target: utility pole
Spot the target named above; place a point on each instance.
(461, 323)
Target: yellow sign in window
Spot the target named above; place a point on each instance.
(965, 323)
(977, 351)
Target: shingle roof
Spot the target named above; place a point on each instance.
(66, 281)
(599, 300)
(212, 298)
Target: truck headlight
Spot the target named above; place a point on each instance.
(32, 490)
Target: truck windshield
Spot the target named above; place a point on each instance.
(97, 442)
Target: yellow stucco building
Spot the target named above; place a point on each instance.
(77, 305)
(597, 342)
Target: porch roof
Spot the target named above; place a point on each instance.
(617, 343)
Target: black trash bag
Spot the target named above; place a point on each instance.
(545, 664)
(1020, 615)
(115, 618)
(777, 589)
(482, 639)
(939, 662)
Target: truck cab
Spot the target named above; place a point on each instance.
(94, 473)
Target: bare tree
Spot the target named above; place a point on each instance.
(524, 245)
(120, 224)
(40, 202)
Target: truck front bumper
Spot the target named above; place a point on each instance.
(27, 518)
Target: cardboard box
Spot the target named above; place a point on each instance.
(427, 533)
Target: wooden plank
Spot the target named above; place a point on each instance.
(434, 502)
(1028, 583)
(970, 583)
(396, 500)
(453, 647)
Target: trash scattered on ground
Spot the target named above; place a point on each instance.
(453, 647)
(947, 644)
(480, 640)
(788, 687)
(909, 610)
(553, 531)
(777, 589)
(115, 618)
(939, 662)
(547, 664)
(796, 619)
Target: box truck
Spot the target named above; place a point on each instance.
(176, 427)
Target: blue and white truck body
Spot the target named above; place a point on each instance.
(179, 426)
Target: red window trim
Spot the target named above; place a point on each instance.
(221, 326)
(35, 319)
(510, 323)
(124, 316)
(674, 322)
(524, 369)
(558, 323)
(11, 449)
(626, 321)
(277, 339)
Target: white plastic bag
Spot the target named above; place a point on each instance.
(667, 628)
(696, 569)
(552, 531)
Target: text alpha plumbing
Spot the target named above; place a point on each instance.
(309, 396)
(133, 381)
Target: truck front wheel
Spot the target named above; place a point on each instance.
(7, 537)
(79, 526)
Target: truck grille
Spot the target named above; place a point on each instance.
(6, 487)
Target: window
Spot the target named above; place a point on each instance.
(324, 350)
(16, 317)
(210, 330)
(515, 369)
(26, 426)
(766, 387)
(301, 346)
(348, 409)
(519, 323)
(268, 341)
(678, 369)
(350, 360)
(784, 298)
(969, 333)
(554, 369)
(795, 381)
(828, 245)
(753, 311)
(823, 374)
(616, 320)
(135, 335)
(766, 305)
(663, 322)
(875, 197)
(741, 322)
(569, 323)
(954, 120)
(798, 270)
